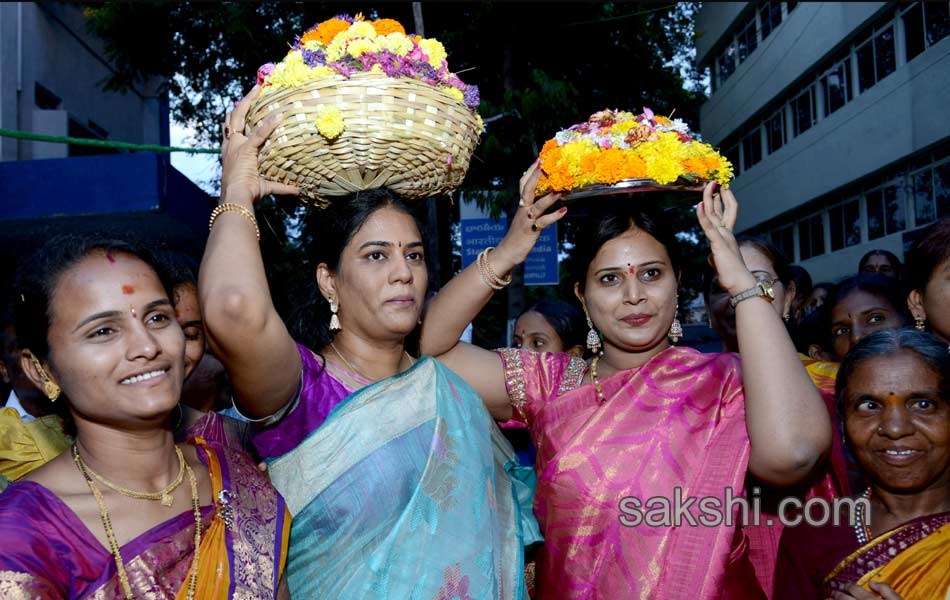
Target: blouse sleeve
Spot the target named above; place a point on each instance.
(534, 378)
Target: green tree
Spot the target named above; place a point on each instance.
(540, 68)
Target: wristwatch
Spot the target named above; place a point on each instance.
(762, 289)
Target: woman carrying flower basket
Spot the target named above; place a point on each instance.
(643, 421)
(393, 470)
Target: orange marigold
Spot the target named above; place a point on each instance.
(702, 166)
(609, 165)
(387, 26)
(633, 167)
(325, 32)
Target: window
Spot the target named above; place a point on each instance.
(913, 19)
(803, 111)
(845, 223)
(811, 237)
(784, 240)
(836, 86)
(751, 149)
(885, 211)
(770, 16)
(923, 190)
(937, 18)
(775, 130)
(732, 153)
(727, 63)
(746, 41)
(942, 189)
(45, 99)
(876, 58)
(790, 6)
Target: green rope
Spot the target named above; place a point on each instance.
(60, 139)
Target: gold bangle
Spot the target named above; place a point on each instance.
(230, 206)
(493, 280)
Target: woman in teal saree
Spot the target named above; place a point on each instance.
(395, 474)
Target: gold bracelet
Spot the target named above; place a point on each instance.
(488, 275)
(229, 206)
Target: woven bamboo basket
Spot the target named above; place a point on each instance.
(399, 133)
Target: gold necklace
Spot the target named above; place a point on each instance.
(594, 379)
(114, 544)
(165, 496)
(357, 371)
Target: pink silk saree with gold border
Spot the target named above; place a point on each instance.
(676, 422)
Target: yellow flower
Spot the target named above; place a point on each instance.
(481, 123)
(313, 45)
(573, 152)
(336, 48)
(376, 69)
(294, 56)
(290, 74)
(397, 43)
(435, 51)
(623, 127)
(329, 121)
(454, 92)
(661, 120)
(321, 72)
(358, 46)
(360, 29)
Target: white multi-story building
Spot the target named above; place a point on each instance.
(837, 119)
(50, 83)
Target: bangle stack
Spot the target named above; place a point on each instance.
(488, 276)
(230, 206)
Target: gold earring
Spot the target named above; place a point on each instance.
(676, 329)
(50, 388)
(919, 323)
(593, 338)
(334, 320)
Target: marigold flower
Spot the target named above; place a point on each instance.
(329, 121)
(325, 32)
(387, 26)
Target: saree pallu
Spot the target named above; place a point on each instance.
(399, 494)
(829, 483)
(673, 427)
(242, 555)
(914, 559)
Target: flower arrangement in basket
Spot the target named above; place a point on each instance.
(615, 146)
(365, 105)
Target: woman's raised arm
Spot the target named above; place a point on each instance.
(244, 329)
(789, 428)
(460, 301)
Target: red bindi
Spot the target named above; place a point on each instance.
(109, 256)
(177, 314)
(128, 289)
(633, 270)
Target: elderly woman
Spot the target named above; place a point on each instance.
(127, 512)
(894, 394)
(928, 278)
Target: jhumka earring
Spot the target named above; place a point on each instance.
(334, 320)
(50, 388)
(676, 329)
(919, 324)
(593, 338)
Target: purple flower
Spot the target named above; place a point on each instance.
(425, 73)
(454, 81)
(647, 113)
(471, 96)
(342, 17)
(314, 58)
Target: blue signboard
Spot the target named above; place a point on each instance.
(540, 268)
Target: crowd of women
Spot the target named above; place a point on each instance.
(350, 468)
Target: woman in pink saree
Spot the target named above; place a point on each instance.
(644, 423)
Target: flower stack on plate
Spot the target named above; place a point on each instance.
(616, 151)
(366, 105)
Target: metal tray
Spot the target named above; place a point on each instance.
(633, 186)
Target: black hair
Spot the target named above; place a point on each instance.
(802, 279)
(777, 258)
(881, 286)
(38, 277)
(927, 346)
(565, 318)
(326, 233)
(178, 268)
(812, 330)
(930, 250)
(610, 220)
(890, 256)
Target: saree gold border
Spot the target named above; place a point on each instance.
(306, 471)
(15, 585)
(844, 562)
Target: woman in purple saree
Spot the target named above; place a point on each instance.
(126, 512)
(644, 422)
